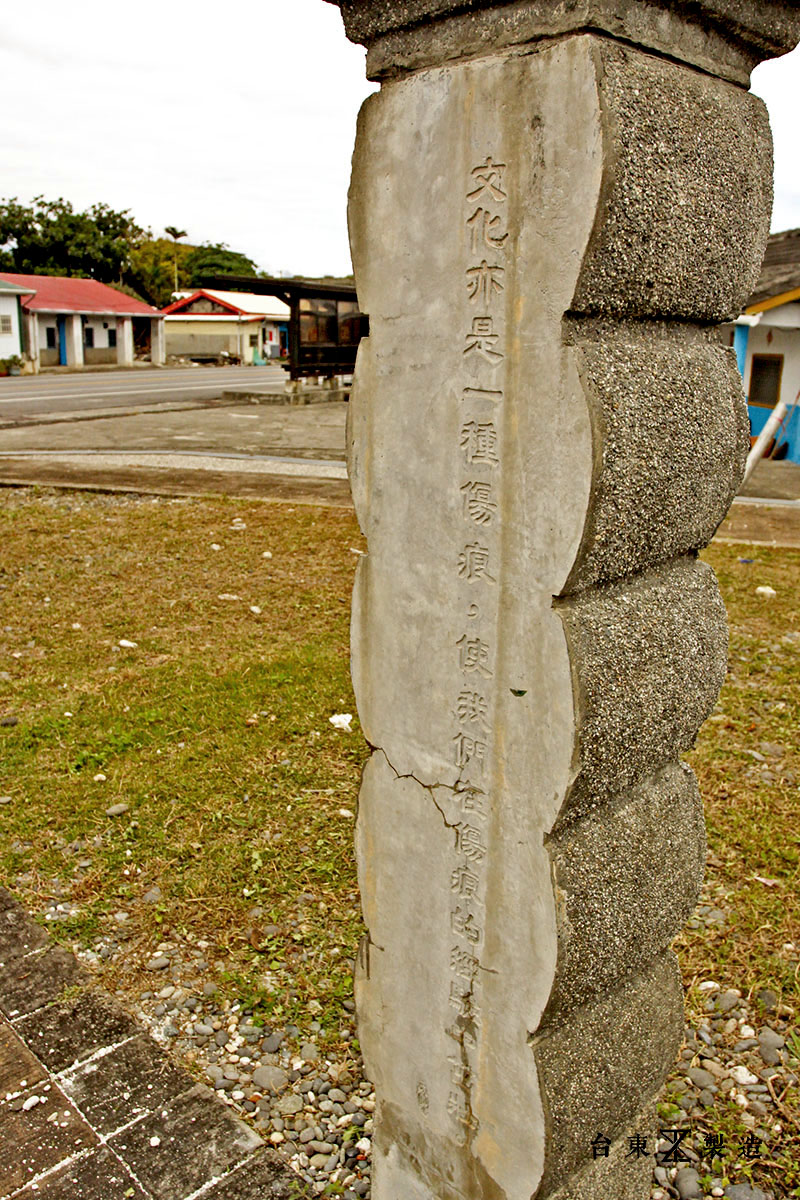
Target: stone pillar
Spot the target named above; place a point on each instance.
(544, 430)
(157, 351)
(124, 341)
(74, 336)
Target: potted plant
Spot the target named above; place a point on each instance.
(14, 364)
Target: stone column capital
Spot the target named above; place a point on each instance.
(723, 37)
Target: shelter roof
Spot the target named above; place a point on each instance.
(288, 288)
(61, 294)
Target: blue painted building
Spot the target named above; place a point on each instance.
(766, 339)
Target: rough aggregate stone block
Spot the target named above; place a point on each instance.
(725, 37)
(198, 1140)
(671, 436)
(688, 194)
(37, 1141)
(138, 1071)
(543, 431)
(621, 1176)
(649, 657)
(99, 1176)
(627, 877)
(604, 1064)
(67, 1032)
(29, 983)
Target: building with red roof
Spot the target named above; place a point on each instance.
(80, 322)
(209, 324)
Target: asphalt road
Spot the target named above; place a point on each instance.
(39, 395)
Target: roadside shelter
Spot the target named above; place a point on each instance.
(325, 325)
(80, 322)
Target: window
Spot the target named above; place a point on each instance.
(112, 338)
(765, 380)
(52, 340)
(88, 337)
(254, 340)
(5, 325)
(349, 323)
(318, 322)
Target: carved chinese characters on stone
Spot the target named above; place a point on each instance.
(477, 570)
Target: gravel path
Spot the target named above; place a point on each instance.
(316, 1107)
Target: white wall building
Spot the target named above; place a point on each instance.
(81, 322)
(10, 320)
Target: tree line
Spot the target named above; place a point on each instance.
(50, 237)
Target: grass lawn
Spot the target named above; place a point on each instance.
(213, 729)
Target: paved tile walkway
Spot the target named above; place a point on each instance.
(91, 1108)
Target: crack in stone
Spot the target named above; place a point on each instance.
(455, 789)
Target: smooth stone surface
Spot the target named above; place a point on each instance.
(490, 935)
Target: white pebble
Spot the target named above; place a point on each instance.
(748, 1031)
(766, 590)
(126, 645)
(155, 1141)
(31, 1102)
(267, 554)
(216, 546)
(742, 1075)
(99, 777)
(341, 721)
(708, 985)
(255, 609)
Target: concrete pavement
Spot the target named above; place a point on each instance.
(276, 452)
(92, 1108)
(35, 396)
(179, 442)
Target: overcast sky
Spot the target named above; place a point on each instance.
(234, 121)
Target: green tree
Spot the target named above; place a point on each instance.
(219, 259)
(48, 237)
(153, 271)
